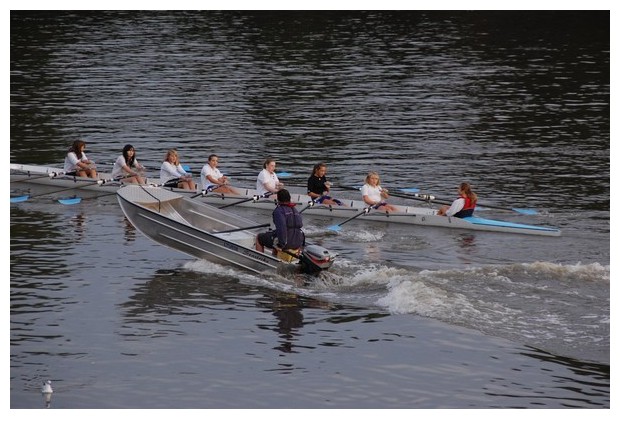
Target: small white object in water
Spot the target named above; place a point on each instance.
(47, 387)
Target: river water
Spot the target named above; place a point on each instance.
(517, 103)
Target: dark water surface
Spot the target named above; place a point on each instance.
(517, 103)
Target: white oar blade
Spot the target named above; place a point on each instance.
(19, 199)
(70, 201)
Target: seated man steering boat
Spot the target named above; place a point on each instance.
(288, 235)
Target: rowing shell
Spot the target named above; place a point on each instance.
(410, 215)
(52, 176)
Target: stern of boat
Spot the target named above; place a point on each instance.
(315, 258)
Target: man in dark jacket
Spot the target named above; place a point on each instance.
(288, 223)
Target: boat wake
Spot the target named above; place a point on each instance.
(535, 304)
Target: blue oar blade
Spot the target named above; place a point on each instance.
(526, 211)
(187, 168)
(19, 199)
(334, 228)
(284, 174)
(413, 190)
(70, 201)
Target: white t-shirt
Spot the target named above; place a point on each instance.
(71, 161)
(207, 170)
(457, 206)
(372, 192)
(266, 178)
(118, 171)
(170, 171)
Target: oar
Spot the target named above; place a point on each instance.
(210, 188)
(363, 212)
(38, 176)
(264, 225)
(419, 197)
(280, 174)
(254, 198)
(518, 210)
(77, 200)
(311, 203)
(433, 199)
(357, 188)
(25, 197)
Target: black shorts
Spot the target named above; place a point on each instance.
(266, 238)
(172, 183)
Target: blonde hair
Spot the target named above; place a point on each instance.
(372, 174)
(172, 152)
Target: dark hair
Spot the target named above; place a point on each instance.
(75, 147)
(317, 167)
(129, 160)
(212, 156)
(284, 196)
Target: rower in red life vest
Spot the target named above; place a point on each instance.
(463, 206)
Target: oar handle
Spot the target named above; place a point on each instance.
(254, 199)
(204, 192)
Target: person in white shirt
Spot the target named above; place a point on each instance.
(76, 162)
(374, 195)
(210, 175)
(173, 175)
(267, 180)
(123, 169)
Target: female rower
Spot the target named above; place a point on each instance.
(318, 186)
(76, 162)
(267, 180)
(210, 175)
(374, 195)
(123, 169)
(464, 205)
(173, 175)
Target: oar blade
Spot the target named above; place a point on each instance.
(284, 174)
(526, 211)
(70, 201)
(334, 228)
(19, 199)
(412, 190)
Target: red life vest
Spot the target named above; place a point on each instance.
(468, 208)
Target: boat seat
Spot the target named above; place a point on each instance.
(286, 257)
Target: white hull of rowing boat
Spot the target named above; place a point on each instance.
(409, 215)
(50, 176)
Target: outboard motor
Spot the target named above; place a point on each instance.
(315, 258)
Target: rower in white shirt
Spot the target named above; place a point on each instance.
(267, 180)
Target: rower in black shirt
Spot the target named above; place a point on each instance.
(318, 186)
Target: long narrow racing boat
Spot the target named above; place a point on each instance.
(23, 174)
(411, 215)
(244, 197)
(210, 233)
